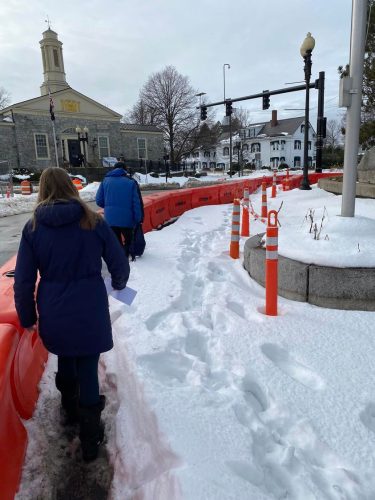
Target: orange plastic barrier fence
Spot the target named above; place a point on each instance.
(78, 184)
(179, 202)
(28, 367)
(26, 187)
(227, 193)
(205, 196)
(159, 209)
(147, 205)
(8, 312)
(13, 436)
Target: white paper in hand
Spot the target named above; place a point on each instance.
(126, 295)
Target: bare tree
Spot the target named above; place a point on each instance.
(140, 114)
(173, 101)
(4, 98)
(333, 134)
(242, 116)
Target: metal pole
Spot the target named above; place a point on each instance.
(305, 181)
(320, 123)
(230, 145)
(55, 143)
(353, 114)
(228, 65)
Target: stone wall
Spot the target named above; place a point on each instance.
(8, 148)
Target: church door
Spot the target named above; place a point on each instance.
(74, 151)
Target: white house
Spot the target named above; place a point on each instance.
(266, 144)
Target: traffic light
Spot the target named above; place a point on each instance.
(228, 108)
(266, 100)
(203, 112)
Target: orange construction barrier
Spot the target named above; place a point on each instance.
(78, 184)
(245, 227)
(263, 212)
(13, 435)
(159, 213)
(204, 196)
(147, 206)
(271, 264)
(227, 192)
(28, 367)
(274, 182)
(179, 201)
(26, 187)
(234, 250)
(8, 312)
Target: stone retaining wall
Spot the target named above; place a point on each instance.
(331, 287)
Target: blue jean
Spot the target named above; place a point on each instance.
(85, 370)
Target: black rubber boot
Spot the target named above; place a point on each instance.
(69, 398)
(91, 432)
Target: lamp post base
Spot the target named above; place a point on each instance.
(305, 185)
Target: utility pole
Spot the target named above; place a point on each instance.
(353, 114)
(320, 126)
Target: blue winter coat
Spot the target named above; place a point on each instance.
(71, 298)
(119, 197)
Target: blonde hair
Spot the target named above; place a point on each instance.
(56, 185)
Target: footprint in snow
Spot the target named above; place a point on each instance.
(300, 373)
(167, 366)
(367, 417)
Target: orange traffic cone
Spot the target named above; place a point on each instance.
(234, 250)
(273, 193)
(245, 227)
(264, 199)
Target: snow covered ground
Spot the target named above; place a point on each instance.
(208, 398)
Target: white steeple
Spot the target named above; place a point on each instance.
(53, 63)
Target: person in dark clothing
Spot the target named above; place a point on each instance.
(65, 242)
(119, 196)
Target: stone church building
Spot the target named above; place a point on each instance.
(85, 130)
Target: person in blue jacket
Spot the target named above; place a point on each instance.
(119, 197)
(65, 242)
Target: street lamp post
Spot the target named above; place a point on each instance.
(83, 138)
(238, 145)
(306, 50)
(224, 66)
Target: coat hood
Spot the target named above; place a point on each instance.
(117, 172)
(59, 213)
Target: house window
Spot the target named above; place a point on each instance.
(274, 162)
(226, 152)
(275, 145)
(41, 146)
(245, 147)
(206, 154)
(302, 128)
(297, 144)
(309, 145)
(282, 145)
(297, 161)
(204, 164)
(255, 148)
(196, 155)
(282, 159)
(103, 144)
(142, 148)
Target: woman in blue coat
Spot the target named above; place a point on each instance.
(65, 242)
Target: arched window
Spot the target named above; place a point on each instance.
(302, 128)
(226, 151)
(282, 145)
(206, 154)
(255, 148)
(297, 144)
(297, 161)
(204, 164)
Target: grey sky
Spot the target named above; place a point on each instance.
(111, 47)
